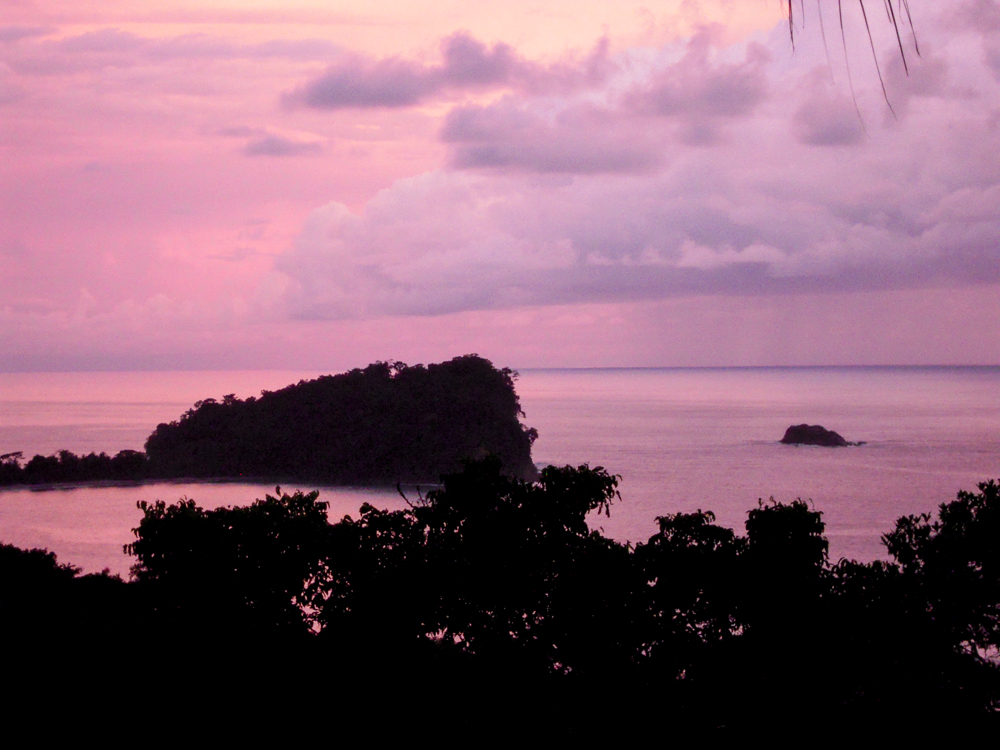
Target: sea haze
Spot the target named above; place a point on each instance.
(681, 439)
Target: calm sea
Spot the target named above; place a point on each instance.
(681, 439)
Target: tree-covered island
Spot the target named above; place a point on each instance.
(384, 424)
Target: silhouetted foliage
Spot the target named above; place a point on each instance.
(693, 595)
(66, 467)
(494, 596)
(254, 568)
(49, 613)
(955, 564)
(495, 566)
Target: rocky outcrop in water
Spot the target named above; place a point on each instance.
(814, 434)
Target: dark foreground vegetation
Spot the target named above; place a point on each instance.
(384, 424)
(489, 605)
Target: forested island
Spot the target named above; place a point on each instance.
(384, 424)
(489, 605)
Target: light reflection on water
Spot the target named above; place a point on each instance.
(681, 439)
(88, 526)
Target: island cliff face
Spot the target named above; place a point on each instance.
(813, 434)
(384, 424)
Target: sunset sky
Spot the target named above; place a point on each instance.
(240, 185)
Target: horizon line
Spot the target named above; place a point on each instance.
(556, 368)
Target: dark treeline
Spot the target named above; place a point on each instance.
(387, 423)
(490, 605)
(66, 466)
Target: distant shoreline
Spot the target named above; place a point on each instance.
(718, 368)
(312, 373)
(261, 481)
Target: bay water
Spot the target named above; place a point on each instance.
(680, 439)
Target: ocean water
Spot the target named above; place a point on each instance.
(680, 439)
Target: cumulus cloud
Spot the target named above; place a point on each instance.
(624, 126)
(466, 64)
(267, 142)
(579, 138)
(981, 17)
(277, 145)
(554, 213)
(703, 93)
(9, 91)
(699, 92)
(705, 258)
(356, 81)
(447, 242)
(10, 34)
(607, 192)
(826, 115)
(925, 79)
(649, 174)
(695, 86)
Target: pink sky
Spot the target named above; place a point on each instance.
(191, 185)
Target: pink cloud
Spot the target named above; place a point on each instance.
(826, 116)
(114, 48)
(391, 82)
(278, 145)
(466, 64)
(10, 34)
(594, 207)
(264, 142)
(579, 139)
(695, 87)
(582, 133)
(635, 210)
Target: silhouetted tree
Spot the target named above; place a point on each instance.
(493, 595)
(485, 564)
(253, 570)
(66, 466)
(694, 592)
(54, 619)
